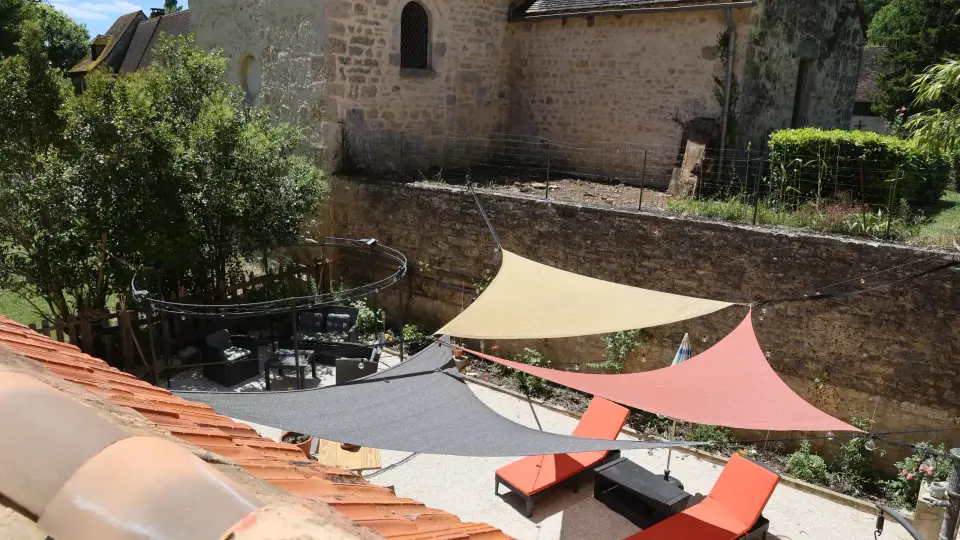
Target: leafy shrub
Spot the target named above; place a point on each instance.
(911, 472)
(806, 465)
(414, 338)
(718, 439)
(851, 472)
(813, 164)
(530, 385)
(368, 321)
(618, 346)
(648, 422)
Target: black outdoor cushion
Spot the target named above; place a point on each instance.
(219, 340)
(339, 322)
(310, 321)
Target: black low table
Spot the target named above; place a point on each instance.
(637, 494)
(283, 359)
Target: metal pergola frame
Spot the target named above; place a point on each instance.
(370, 247)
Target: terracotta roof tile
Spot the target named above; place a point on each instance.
(280, 464)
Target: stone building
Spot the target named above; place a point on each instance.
(377, 75)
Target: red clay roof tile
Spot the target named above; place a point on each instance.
(280, 464)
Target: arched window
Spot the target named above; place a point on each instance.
(249, 75)
(414, 37)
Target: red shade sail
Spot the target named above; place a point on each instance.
(731, 384)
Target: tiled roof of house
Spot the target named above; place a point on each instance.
(111, 39)
(279, 464)
(545, 7)
(140, 53)
(869, 69)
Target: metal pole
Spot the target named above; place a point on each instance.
(153, 349)
(948, 531)
(673, 436)
(546, 194)
(403, 174)
(643, 178)
(756, 190)
(891, 201)
(400, 309)
(296, 350)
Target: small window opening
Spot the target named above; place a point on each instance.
(414, 37)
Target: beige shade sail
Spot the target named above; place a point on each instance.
(527, 299)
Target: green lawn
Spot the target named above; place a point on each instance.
(14, 306)
(937, 227)
(943, 227)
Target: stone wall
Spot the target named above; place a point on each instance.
(285, 38)
(785, 32)
(596, 84)
(889, 354)
(463, 92)
(618, 79)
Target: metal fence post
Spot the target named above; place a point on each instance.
(948, 531)
(643, 178)
(546, 194)
(403, 168)
(756, 190)
(891, 200)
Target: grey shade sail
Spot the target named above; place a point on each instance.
(421, 405)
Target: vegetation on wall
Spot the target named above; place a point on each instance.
(164, 165)
(617, 347)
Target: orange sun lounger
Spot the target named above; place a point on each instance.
(728, 512)
(534, 474)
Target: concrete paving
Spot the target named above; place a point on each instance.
(464, 486)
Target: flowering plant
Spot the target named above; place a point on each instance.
(926, 464)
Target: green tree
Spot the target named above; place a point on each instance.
(165, 166)
(172, 6)
(937, 126)
(65, 39)
(917, 34)
(871, 8)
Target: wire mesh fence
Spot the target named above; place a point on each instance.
(821, 192)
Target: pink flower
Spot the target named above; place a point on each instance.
(903, 472)
(486, 378)
(909, 476)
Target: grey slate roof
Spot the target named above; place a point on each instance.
(869, 69)
(544, 7)
(140, 53)
(116, 40)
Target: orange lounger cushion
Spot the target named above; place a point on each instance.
(729, 511)
(532, 474)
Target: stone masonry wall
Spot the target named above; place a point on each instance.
(615, 79)
(889, 354)
(618, 79)
(785, 32)
(286, 38)
(463, 91)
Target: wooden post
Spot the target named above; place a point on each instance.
(86, 336)
(126, 340)
(71, 327)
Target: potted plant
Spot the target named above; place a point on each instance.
(461, 361)
(298, 439)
